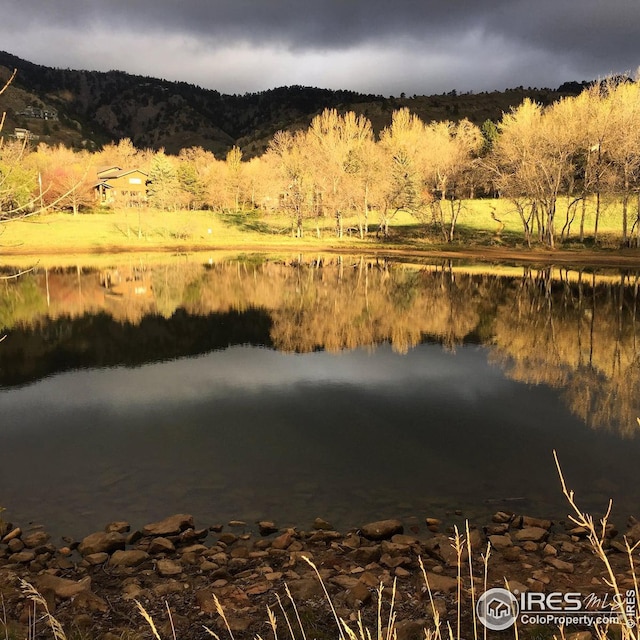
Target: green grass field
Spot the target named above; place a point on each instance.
(149, 230)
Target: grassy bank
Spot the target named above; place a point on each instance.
(478, 232)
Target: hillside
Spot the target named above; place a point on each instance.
(92, 108)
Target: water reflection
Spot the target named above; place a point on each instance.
(352, 389)
(569, 329)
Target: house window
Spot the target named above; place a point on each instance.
(135, 181)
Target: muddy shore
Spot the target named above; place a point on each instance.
(91, 585)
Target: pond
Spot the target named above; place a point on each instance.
(348, 388)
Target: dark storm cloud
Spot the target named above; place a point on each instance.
(475, 43)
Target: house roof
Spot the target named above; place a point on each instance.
(116, 172)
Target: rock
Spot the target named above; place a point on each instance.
(401, 572)
(528, 521)
(366, 555)
(118, 527)
(344, 581)
(443, 584)
(131, 558)
(358, 595)
(560, 565)
(172, 525)
(282, 541)
(305, 589)
(227, 538)
(161, 545)
(35, 539)
(502, 516)
(237, 523)
(324, 536)
(531, 534)
(23, 557)
(382, 529)
(549, 550)
(633, 534)
(394, 561)
(512, 554)
(96, 558)
(15, 544)
(258, 589)
(15, 533)
(266, 527)
(320, 524)
(496, 529)
(530, 547)
(409, 630)
(62, 587)
(400, 538)
(87, 600)
(101, 542)
(168, 568)
(500, 542)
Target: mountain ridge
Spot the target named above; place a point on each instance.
(96, 107)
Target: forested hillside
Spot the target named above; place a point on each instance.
(95, 108)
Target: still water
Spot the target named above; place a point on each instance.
(288, 389)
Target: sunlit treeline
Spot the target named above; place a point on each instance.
(572, 330)
(553, 164)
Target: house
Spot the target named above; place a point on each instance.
(125, 187)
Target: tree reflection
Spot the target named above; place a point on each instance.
(571, 329)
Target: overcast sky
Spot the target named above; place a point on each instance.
(377, 46)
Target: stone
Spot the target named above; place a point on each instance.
(173, 525)
(305, 589)
(101, 542)
(500, 541)
(15, 544)
(237, 523)
(549, 550)
(282, 541)
(87, 600)
(14, 533)
(35, 539)
(443, 584)
(95, 559)
(560, 565)
(382, 529)
(531, 534)
(227, 538)
(344, 581)
(633, 534)
(512, 554)
(320, 524)
(168, 568)
(358, 595)
(501, 517)
(62, 587)
(400, 538)
(258, 589)
(266, 527)
(528, 521)
(131, 558)
(367, 554)
(23, 557)
(529, 546)
(118, 527)
(323, 535)
(161, 545)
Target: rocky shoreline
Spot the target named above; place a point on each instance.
(91, 586)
